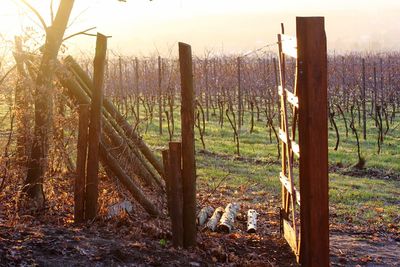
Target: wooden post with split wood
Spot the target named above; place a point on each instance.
(188, 146)
(313, 140)
(95, 128)
(80, 179)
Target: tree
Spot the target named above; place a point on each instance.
(43, 102)
(43, 99)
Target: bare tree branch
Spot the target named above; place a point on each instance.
(79, 33)
(36, 13)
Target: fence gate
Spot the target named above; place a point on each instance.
(304, 135)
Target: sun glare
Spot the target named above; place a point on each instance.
(15, 18)
(9, 18)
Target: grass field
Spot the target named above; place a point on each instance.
(360, 198)
(365, 197)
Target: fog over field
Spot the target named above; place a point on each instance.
(222, 26)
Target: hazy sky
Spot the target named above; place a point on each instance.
(141, 26)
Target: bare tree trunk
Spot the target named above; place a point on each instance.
(43, 103)
(22, 106)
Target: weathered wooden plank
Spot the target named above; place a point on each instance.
(313, 140)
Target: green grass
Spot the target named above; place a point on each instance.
(359, 198)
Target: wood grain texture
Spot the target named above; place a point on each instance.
(313, 140)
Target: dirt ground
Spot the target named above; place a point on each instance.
(50, 238)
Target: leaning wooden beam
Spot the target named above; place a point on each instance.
(79, 94)
(136, 165)
(129, 131)
(108, 160)
(83, 82)
(130, 146)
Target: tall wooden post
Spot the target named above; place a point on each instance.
(121, 95)
(382, 95)
(207, 96)
(239, 93)
(160, 94)
(92, 178)
(188, 146)
(137, 87)
(80, 179)
(375, 92)
(345, 95)
(313, 140)
(364, 110)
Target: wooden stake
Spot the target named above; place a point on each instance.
(95, 129)
(188, 146)
(137, 88)
(364, 110)
(160, 106)
(240, 122)
(176, 195)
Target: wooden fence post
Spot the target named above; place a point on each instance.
(80, 179)
(240, 122)
(174, 177)
(188, 146)
(363, 96)
(313, 141)
(92, 179)
(137, 87)
(160, 96)
(207, 89)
